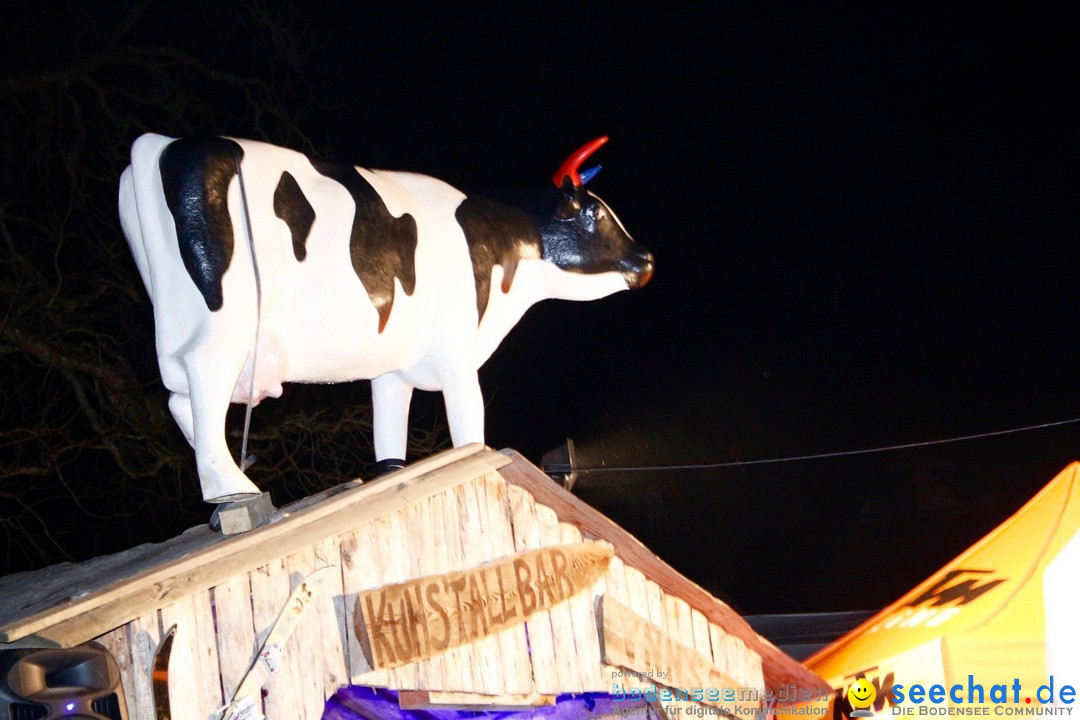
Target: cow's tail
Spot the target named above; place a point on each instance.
(245, 459)
(140, 189)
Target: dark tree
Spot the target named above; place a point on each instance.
(90, 459)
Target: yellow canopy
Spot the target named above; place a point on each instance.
(1006, 610)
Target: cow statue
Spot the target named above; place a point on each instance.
(266, 266)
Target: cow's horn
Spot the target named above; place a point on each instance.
(570, 167)
(587, 175)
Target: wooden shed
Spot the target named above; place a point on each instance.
(468, 580)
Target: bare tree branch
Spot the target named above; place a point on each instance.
(87, 445)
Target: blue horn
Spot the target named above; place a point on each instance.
(587, 175)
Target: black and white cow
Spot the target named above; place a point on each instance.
(266, 266)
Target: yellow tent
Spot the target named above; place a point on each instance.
(1006, 613)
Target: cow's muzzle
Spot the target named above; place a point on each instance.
(637, 269)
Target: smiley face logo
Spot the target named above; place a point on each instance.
(861, 694)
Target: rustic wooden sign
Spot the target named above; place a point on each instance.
(418, 619)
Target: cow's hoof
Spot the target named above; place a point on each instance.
(223, 482)
(388, 465)
(233, 497)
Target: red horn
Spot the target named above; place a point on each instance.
(570, 167)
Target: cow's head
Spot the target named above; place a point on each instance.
(580, 233)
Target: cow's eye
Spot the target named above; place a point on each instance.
(569, 209)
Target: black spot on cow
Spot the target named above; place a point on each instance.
(381, 246)
(291, 205)
(195, 175)
(496, 234)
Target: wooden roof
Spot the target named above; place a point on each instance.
(68, 604)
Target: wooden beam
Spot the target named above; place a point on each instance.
(629, 641)
(114, 600)
(780, 670)
(430, 700)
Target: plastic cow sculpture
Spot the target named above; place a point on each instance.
(266, 266)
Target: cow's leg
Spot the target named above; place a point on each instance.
(390, 398)
(180, 407)
(211, 379)
(464, 407)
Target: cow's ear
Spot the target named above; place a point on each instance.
(569, 206)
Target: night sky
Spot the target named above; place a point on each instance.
(865, 222)
(865, 225)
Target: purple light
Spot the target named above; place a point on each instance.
(363, 703)
(69, 707)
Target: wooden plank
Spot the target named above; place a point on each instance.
(567, 666)
(637, 589)
(779, 669)
(144, 634)
(419, 530)
(721, 647)
(270, 588)
(681, 629)
(332, 620)
(403, 549)
(315, 652)
(586, 640)
(184, 673)
(617, 587)
(517, 669)
(526, 531)
(360, 572)
(686, 624)
(393, 564)
(465, 664)
(210, 692)
(702, 643)
(655, 603)
(300, 666)
(441, 558)
(235, 630)
(118, 644)
(632, 642)
(429, 700)
(350, 558)
(671, 619)
(140, 589)
(757, 668)
(486, 650)
(615, 580)
(194, 673)
(211, 698)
